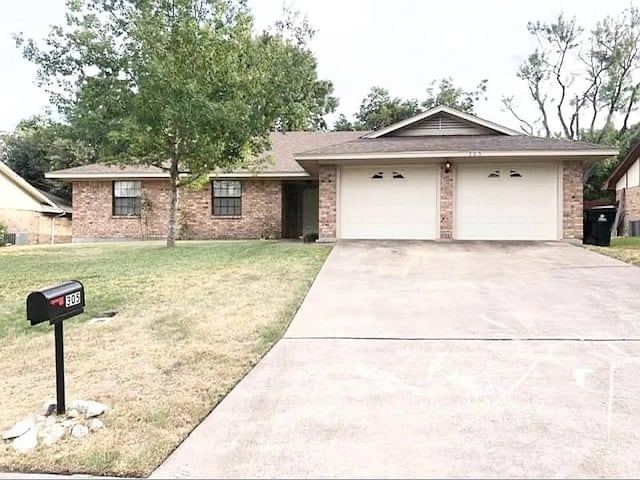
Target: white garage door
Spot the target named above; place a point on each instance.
(507, 202)
(388, 203)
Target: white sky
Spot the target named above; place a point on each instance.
(398, 44)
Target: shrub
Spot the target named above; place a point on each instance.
(3, 235)
(310, 237)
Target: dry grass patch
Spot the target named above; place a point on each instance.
(192, 322)
(626, 249)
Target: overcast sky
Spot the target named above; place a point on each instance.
(398, 44)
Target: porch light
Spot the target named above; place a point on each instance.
(447, 166)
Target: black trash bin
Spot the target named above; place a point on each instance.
(598, 222)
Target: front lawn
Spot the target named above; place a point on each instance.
(626, 249)
(191, 322)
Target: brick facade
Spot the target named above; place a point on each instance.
(327, 202)
(93, 219)
(572, 200)
(630, 204)
(446, 203)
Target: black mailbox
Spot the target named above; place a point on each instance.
(54, 304)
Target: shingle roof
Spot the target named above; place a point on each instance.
(283, 148)
(451, 143)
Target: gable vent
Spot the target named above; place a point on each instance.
(442, 124)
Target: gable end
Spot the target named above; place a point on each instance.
(442, 124)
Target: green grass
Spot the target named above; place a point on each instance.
(192, 321)
(626, 242)
(626, 249)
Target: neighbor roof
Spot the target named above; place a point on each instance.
(283, 148)
(621, 169)
(49, 205)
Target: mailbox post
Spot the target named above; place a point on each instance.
(56, 304)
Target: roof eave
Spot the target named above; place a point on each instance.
(163, 175)
(602, 153)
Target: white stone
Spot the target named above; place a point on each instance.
(73, 413)
(20, 428)
(89, 408)
(26, 442)
(50, 421)
(95, 425)
(68, 423)
(52, 434)
(79, 431)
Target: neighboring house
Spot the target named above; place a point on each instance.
(441, 174)
(33, 215)
(625, 179)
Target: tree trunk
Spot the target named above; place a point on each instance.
(173, 202)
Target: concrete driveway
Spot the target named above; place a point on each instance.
(441, 360)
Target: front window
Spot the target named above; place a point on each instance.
(227, 198)
(127, 198)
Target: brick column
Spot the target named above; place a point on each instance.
(572, 190)
(327, 203)
(446, 203)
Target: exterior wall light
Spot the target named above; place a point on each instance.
(447, 166)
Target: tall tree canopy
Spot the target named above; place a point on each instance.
(379, 109)
(186, 85)
(584, 81)
(584, 84)
(38, 145)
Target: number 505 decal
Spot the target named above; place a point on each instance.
(72, 299)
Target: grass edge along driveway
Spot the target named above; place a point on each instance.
(192, 322)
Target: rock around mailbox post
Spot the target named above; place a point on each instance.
(54, 305)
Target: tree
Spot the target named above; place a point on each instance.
(39, 145)
(585, 83)
(343, 124)
(455, 97)
(185, 85)
(378, 109)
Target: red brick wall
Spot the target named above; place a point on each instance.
(572, 206)
(446, 203)
(327, 202)
(93, 219)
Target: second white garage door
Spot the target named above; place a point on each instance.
(388, 203)
(506, 202)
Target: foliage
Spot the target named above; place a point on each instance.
(586, 81)
(185, 85)
(343, 124)
(378, 109)
(39, 145)
(448, 94)
(3, 235)
(310, 237)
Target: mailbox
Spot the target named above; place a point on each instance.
(54, 304)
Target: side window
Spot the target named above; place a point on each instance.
(127, 198)
(227, 198)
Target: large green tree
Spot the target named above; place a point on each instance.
(379, 109)
(186, 85)
(39, 145)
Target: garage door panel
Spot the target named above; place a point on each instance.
(402, 204)
(520, 203)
